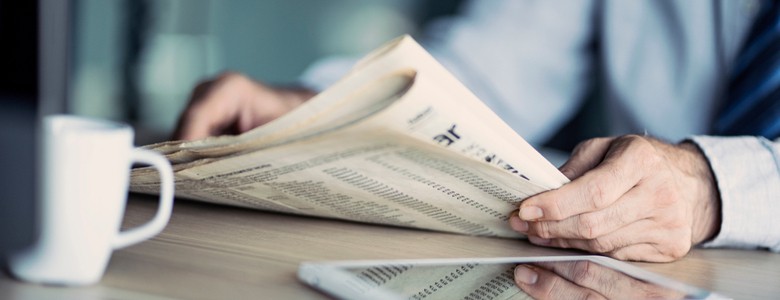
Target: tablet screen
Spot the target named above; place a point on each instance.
(571, 277)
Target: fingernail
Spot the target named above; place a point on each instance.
(525, 275)
(538, 240)
(518, 225)
(529, 213)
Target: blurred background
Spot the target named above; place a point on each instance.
(136, 61)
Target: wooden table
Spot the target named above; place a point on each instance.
(217, 252)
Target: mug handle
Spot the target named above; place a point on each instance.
(156, 225)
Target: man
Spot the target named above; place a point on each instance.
(667, 67)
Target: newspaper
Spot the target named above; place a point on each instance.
(397, 141)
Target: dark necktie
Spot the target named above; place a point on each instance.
(752, 106)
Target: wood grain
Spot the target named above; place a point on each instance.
(217, 252)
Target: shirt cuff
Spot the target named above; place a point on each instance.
(747, 172)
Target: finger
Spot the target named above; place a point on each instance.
(543, 284)
(188, 127)
(669, 244)
(204, 122)
(631, 207)
(605, 281)
(586, 156)
(202, 119)
(609, 282)
(517, 224)
(214, 106)
(650, 251)
(622, 168)
(634, 233)
(192, 126)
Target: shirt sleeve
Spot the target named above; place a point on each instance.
(747, 170)
(530, 61)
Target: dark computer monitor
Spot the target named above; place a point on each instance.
(33, 82)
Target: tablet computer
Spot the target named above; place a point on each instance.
(565, 277)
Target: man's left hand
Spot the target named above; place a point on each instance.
(631, 198)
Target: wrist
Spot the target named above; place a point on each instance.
(706, 199)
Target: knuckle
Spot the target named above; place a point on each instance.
(585, 145)
(551, 291)
(587, 227)
(676, 222)
(621, 217)
(231, 81)
(591, 295)
(583, 273)
(543, 230)
(619, 255)
(678, 249)
(555, 211)
(205, 89)
(230, 76)
(650, 159)
(646, 152)
(665, 195)
(590, 144)
(203, 85)
(634, 139)
(600, 245)
(198, 111)
(595, 194)
(201, 90)
(562, 243)
(193, 112)
(680, 244)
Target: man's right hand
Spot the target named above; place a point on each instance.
(232, 103)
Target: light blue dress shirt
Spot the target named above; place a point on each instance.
(663, 65)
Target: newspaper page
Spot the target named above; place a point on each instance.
(416, 163)
(405, 147)
(378, 178)
(341, 102)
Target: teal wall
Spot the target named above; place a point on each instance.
(137, 61)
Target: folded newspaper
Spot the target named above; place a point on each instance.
(396, 141)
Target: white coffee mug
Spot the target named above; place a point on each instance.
(83, 190)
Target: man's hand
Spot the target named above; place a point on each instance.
(232, 104)
(585, 280)
(631, 197)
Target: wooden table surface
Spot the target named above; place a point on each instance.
(218, 252)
